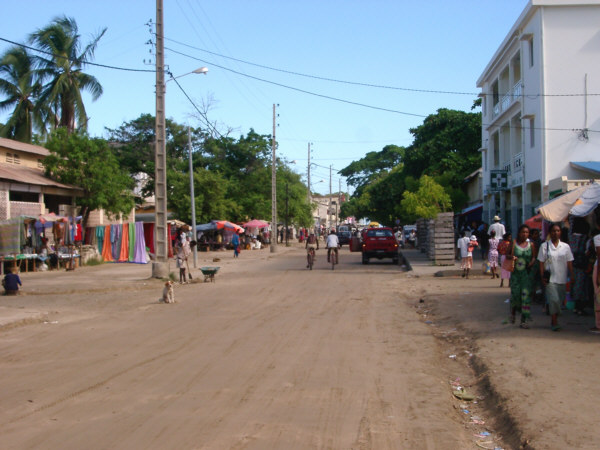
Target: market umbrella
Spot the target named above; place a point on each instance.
(535, 222)
(224, 224)
(256, 223)
(558, 208)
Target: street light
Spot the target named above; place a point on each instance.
(200, 70)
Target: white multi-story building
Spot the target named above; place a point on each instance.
(541, 108)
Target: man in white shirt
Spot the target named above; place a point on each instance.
(555, 256)
(332, 243)
(497, 227)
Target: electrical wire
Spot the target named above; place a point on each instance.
(358, 83)
(296, 89)
(105, 66)
(284, 86)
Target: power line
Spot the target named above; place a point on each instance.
(70, 60)
(358, 83)
(297, 89)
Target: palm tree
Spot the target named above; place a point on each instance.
(20, 87)
(61, 67)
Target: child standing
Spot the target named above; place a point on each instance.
(503, 249)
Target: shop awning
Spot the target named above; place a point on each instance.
(592, 167)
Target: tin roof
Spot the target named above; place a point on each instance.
(21, 146)
(27, 175)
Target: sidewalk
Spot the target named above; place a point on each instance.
(422, 266)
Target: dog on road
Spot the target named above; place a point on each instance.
(168, 293)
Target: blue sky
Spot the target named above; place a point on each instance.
(437, 45)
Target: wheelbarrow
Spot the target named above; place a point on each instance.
(209, 273)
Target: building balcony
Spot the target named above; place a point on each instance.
(508, 99)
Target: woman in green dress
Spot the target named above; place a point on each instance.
(521, 280)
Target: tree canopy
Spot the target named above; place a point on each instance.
(444, 149)
(232, 177)
(89, 163)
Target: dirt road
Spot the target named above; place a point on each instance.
(271, 355)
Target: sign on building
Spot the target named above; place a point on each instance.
(498, 180)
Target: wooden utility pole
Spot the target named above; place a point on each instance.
(160, 267)
(308, 177)
(274, 189)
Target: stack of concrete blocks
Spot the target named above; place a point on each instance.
(441, 247)
(436, 238)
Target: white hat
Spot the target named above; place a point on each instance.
(473, 237)
(496, 218)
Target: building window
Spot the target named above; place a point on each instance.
(16, 159)
(530, 41)
(532, 132)
(9, 158)
(40, 164)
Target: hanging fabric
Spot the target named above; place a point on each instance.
(149, 236)
(140, 242)
(107, 246)
(100, 238)
(131, 241)
(124, 241)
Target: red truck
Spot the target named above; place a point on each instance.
(379, 243)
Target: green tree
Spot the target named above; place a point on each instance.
(360, 173)
(20, 87)
(429, 200)
(62, 71)
(90, 164)
(446, 142)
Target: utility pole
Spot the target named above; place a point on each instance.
(194, 234)
(273, 189)
(308, 171)
(329, 207)
(160, 267)
(287, 193)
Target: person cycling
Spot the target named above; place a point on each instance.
(311, 243)
(332, 243)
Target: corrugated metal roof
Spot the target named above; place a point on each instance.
(21, 146)
(590, 166)
(27, 175)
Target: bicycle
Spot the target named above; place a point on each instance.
(333, 257)
(311, 258)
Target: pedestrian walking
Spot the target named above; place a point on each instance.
(503, 248)
(555, 256)
(493, 243)
(462, 249)
(522, 253)
(235, 241)
(596, 328)
(578, 241)
(497, 226)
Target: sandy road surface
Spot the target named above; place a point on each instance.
(271, 355)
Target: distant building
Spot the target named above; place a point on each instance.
(539, 122)
(24, 189)
(327, 211)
